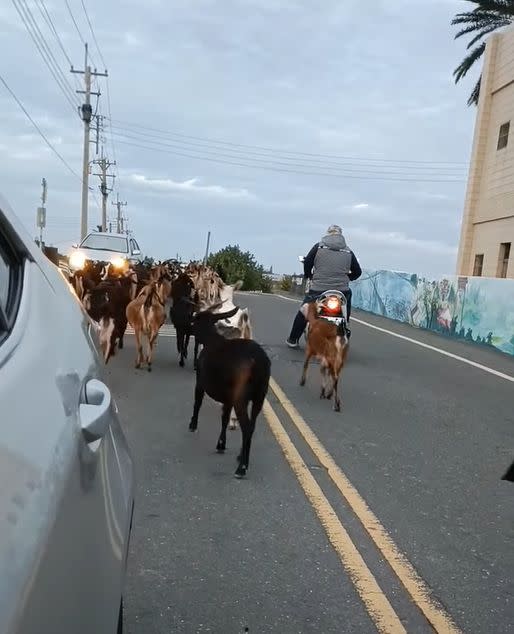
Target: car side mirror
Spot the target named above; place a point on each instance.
(75, 246)
(301, 258)
(136, 252)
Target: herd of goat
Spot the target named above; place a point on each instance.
(231, 367)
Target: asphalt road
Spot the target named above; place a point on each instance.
(422, 437)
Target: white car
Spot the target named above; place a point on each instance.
(118, 249)
(66, 472)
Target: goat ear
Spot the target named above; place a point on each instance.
(238, 285)
(227, 315)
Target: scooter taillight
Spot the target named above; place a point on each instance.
(333, 305)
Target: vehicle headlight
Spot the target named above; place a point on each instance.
(77, 260)
(118, 262)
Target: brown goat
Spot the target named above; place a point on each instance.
(328, 343)
(146, 314)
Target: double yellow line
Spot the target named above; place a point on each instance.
(375, 600)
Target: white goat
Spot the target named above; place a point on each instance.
(236, 327)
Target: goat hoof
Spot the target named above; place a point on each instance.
(240, 472)
(192, 427)
(322, 394)
(337, 407)
(181, 363)
(302, 382)
(137, 366)
(149, 368)
(120, 344)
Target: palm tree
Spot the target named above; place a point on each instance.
(486, 17)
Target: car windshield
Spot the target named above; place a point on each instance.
(105, 243)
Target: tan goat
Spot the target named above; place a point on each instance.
(146, 314)
(328, 343)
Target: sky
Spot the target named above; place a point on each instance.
(262, 121)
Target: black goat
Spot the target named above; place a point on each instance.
(181, 314)
(232, 372)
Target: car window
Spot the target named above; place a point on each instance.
(133, 245)
(105, 243)
(10, 285)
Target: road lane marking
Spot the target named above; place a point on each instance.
(456, 357)
(474, 364)
(379, 609)
(404, 570)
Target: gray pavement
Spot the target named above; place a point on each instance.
(423, 438)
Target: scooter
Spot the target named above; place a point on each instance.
(331, 305)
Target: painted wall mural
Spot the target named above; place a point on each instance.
(474, 309)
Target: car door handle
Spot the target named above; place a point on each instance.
(95, 410)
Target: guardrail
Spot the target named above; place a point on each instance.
(474, 309)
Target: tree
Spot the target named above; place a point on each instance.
(286, 284)
(232, 265)
(486, 17)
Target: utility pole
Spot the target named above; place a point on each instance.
(104, 165)
(86, 112)
(207, 248)
(119, 219)
(41, 214)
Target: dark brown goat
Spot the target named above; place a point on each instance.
(232, 372)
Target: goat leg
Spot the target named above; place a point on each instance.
(247, 429)
(199, 394)
(151, 343)
(305, 366)
(195, 359)
(225, 417)
(323, 371)
(233, 420)
(337, 400)
(139, 346)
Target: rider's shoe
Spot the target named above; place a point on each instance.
(291, 343)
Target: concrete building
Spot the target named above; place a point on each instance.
(487, 236)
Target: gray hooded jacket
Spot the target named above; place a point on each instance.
(332, 264)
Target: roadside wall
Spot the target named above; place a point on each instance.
(475, 309)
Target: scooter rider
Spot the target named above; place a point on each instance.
(330, 265)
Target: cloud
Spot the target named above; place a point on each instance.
(190, 186)
(295, 77)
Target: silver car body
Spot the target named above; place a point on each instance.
(113, 245)
(66, 473)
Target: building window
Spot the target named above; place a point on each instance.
(503, 260)
(503, 136)
(479, 264)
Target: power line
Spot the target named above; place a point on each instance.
(289, 171)
(360, 169)
(128, 124)
(61, 158)
(79, 32)
(41, 38)
(45, 52)
(207, 149)
(43, 136)
(50, 23)
(106, 83)
(93, 34)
